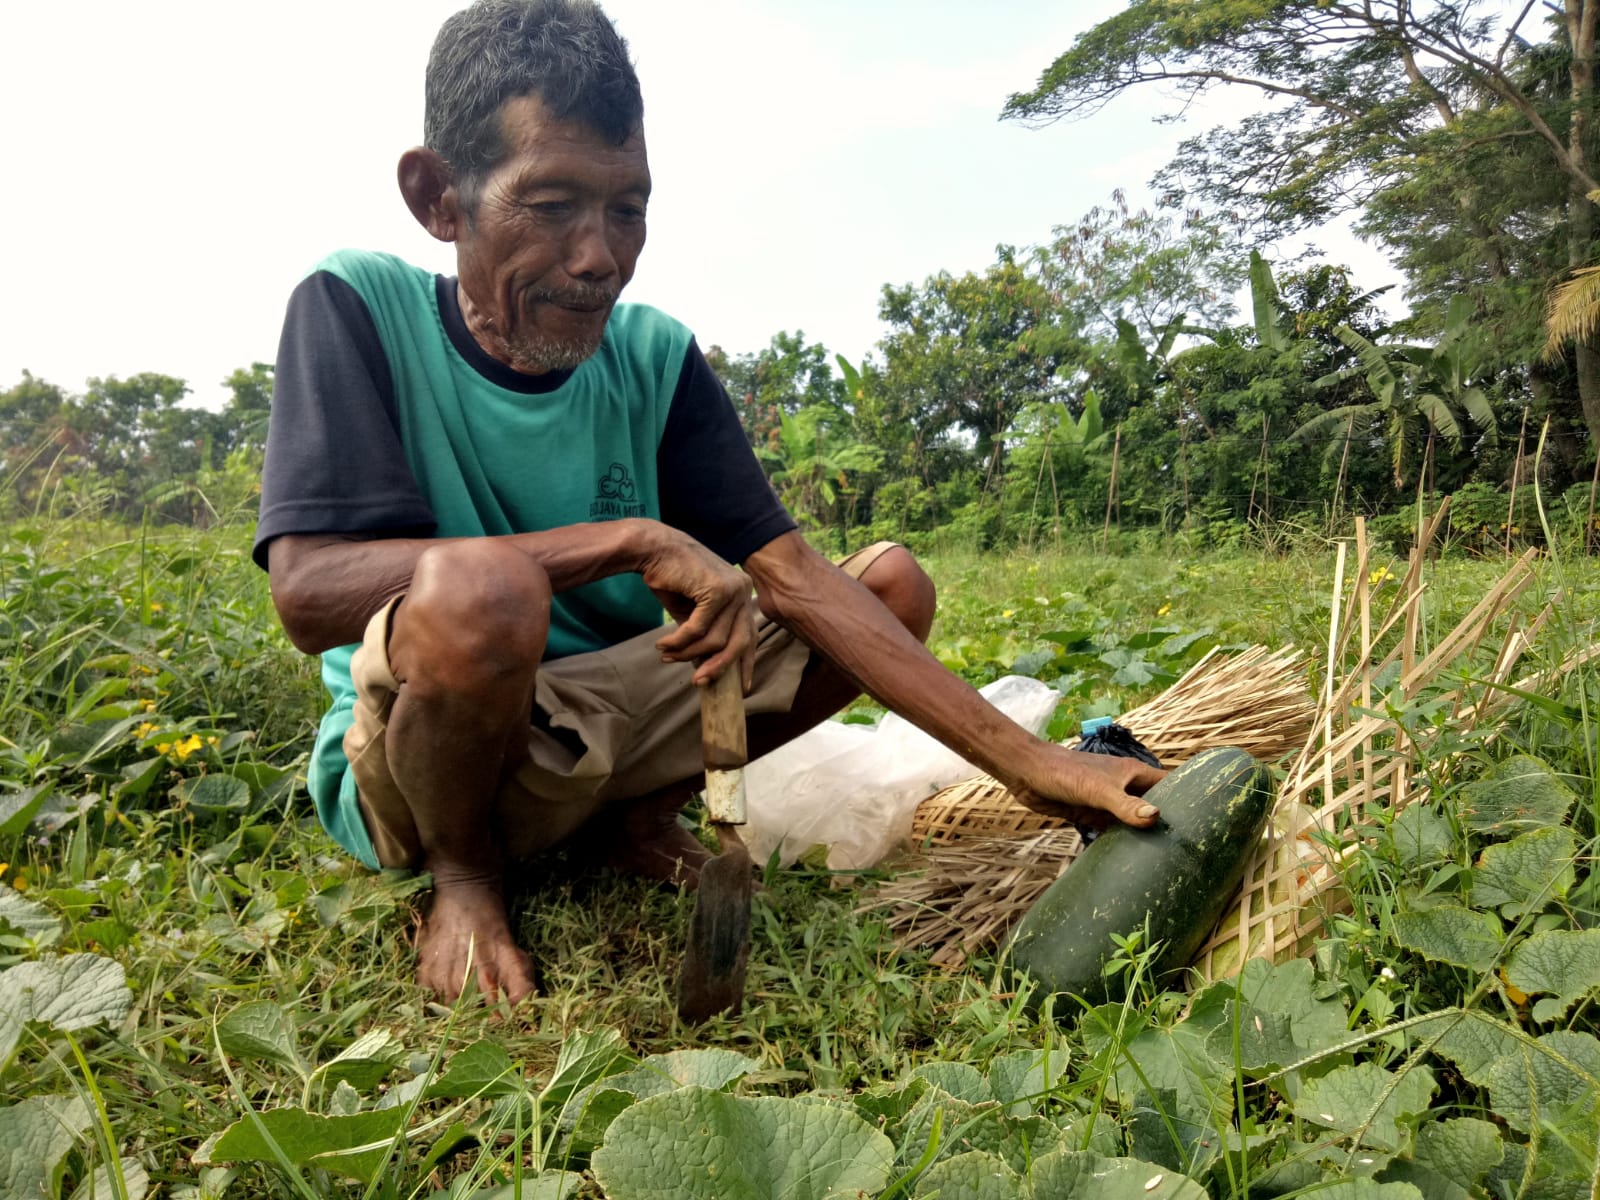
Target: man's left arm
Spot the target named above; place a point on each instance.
(844, 622)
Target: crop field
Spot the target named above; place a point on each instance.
(201, 996)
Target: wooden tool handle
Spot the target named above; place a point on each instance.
(722, 741)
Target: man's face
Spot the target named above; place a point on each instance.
(555, 237)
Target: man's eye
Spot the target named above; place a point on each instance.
(550, 208)
(631, 212)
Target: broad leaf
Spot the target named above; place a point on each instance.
(19, 808)
(35, 1136)
(1565, 962)
(215, 794)
(1450, 933)
(1471, 1041)
(482, 1070)
(1518, 795)
(1060, 1175)
(1366, 1102)
(356, 1145)
(1463, 1148)
(584, 1058)
(960, 1081)
(1421, 834)
(260, 1031)
(29, 918)
(1019, 1080)
(365, 1062)
(71, 992)
(697, 1143)
(99, 1185)
(710, 1068)
(1526, 873)
(1556, 1075)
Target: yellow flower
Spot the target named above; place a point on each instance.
(1163, 610)
(156, 606)
(4, 867)
(145, 729)
(1381, 575)
(1007, 613)
(185, 748)
(213, 741)
(148, 705)
(20, 884)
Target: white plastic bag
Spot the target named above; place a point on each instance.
(854, 788)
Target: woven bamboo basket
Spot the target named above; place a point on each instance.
(1257, 700)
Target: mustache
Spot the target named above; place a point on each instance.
(579, 295)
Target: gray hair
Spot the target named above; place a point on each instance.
(566, 52)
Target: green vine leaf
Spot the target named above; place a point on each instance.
(1545, 1082)
(355, 1145)
(35, 1136)
(1526, 873)
(1565, 962)
(1449, 933)
(697, 1143)
(1060, 1175)
(1518, 795)
(74, 991)
(1367, 1103)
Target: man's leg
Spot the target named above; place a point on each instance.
(465, 646)
(645, 837)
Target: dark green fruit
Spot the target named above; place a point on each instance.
(1180, 875)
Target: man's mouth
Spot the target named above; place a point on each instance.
(578, 300)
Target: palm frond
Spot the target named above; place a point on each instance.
(1574, 312)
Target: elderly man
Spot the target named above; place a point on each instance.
(482, 491)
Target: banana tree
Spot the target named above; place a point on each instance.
(812, 463)
(1412, 387)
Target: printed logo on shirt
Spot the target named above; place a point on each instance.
(616, 496)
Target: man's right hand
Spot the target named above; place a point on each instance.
(712, 601)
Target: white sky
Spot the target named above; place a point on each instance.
(173, 167)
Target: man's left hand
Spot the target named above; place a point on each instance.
(1088, 789)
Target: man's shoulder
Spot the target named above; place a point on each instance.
(643, 331)
(366, 269)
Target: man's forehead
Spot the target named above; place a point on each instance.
(532, 136)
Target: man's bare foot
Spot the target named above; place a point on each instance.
(649, 841)
(468, 924)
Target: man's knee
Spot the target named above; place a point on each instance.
(477, 611)
(905, 589)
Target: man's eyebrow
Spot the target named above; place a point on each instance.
(534, 182)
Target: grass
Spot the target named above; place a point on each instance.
(139, 662)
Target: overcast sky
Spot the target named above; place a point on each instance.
(175, 166)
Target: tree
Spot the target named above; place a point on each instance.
(967, 353)
(1367, 97)
(35, 437)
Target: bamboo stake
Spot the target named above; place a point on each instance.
(1516, 474)
(1111, 494)
(1338, 488)
(1590, 540)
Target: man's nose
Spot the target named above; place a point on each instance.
(589, 253)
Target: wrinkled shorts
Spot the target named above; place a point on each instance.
(612, 725)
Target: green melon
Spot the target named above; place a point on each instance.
(1180, 875)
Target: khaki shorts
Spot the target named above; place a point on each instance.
(612, 725)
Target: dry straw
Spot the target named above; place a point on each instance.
(1354, 757)
(990, 858)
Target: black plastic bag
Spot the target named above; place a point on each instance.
(1102, 735)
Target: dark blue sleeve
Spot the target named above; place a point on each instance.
(711, 485)
(334, 463)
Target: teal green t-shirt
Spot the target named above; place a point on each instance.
(490, 460)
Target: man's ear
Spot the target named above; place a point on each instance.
(430, 194)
